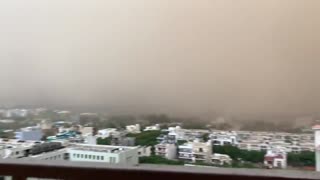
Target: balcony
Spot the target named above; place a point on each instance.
(21, 170)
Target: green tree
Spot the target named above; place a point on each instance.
(205, 137)
(159, 160)
(181, 142)
(104, 141)
(304, 158)
(236, 154)
(146, 138)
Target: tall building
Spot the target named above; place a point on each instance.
(196, 151)
(316, 130)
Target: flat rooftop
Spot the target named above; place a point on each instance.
(100, 148)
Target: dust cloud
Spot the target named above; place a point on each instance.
(171, 56)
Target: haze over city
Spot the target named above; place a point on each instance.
(177, 56)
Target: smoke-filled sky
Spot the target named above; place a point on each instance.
(185, 56)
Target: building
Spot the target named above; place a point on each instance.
(87, 131)
(220, 159)
(223, 138)
(196, 152)
(92, 153)
(166, 150)
(316, 130)
(144, 151)
(45, 125)
(276, 158)
(177, 133)
(29, 134)
(104, 133)
(123, 141)
(152, 128)
(134, 129)
(90, 140)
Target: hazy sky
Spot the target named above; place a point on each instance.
(194, 56)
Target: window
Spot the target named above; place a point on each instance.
(98, 157)
(93, 157)
(200, 150)
(78, 155)
(85, 156)
(102, 158)
(81, 155)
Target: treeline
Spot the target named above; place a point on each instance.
(304, 158)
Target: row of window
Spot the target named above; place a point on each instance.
(54, 157)
(86, 156)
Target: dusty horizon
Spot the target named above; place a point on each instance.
(177, 56)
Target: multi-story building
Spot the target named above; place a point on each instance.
(196, 151)
(29, 134)
(177, 133)
(276, 158)
(223, 138)
(166, 150)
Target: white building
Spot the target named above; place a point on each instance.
(92, 153)
(134, 129)
(104, 133)
(152, 128)
(90, 140)
(316, 129)
(144, 151)
(224, 138)
(276, 158)
(166, 150)
(196, 151)
(220, 159)
(29, 133)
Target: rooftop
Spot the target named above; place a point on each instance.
(100, 148)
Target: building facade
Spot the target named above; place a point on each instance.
(169, 151)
